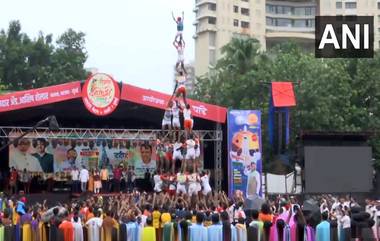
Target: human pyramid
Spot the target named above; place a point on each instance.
(178, 154)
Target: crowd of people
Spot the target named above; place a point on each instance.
(136, 216)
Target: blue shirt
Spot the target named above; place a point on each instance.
(215, 232)
(323, 231)
(198, 233)
(180, 26)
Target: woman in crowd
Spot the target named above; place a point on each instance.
(129, 217)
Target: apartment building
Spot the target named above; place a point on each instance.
(269, 21)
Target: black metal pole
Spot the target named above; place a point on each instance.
(40, 123)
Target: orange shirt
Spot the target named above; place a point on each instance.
(265, 217)
(67, 229)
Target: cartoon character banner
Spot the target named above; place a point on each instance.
(244, 148)
(61, 155)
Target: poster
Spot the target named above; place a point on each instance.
(244, 152)
(61, 155)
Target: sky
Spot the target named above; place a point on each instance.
(130, 40)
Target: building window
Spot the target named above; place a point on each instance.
(310, 23)
(299, 11)
(378, 5)
(284, 10)
(300, 23)
(244, 24)
(269, 21)
(310, 11)
(338, 5)
(245, 0)
(270, 8)
(351, 5)
(212, 57)
(245, 11)
(211, 20)
(378, 18)
(236, 9)
(212, 39)
(212, 6)
(283, 22)
(236, 23)
(378, 30)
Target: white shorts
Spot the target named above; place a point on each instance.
(181, 58)
(177, 155)
(197, 152)
(181, 188)
(176, 122)
(193, 189)
(190, 154)
(179, 33)
(206, 190)
(166, 122)
(158, 188)
(172, 187)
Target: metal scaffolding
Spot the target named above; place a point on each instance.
(215, 136)
(218, 159)
(96, 134)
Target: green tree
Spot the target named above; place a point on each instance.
(26, 63)
(332, 94)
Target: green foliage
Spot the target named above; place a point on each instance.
(26, 63)
(332, 94)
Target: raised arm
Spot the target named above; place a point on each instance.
(174, 17)
(183, 15)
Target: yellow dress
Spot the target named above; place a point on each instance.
(42, 229)
(165, 218)
(26, 232)
(148, 234)
(156, 219)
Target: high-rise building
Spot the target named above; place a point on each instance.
(269, 21)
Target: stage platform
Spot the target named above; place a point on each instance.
(56, 198)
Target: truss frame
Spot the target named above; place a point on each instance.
(93, 133)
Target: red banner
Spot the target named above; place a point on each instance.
(160, 100)
(41, 96)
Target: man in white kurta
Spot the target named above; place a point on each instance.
(253, 181)
(83, 177)
(78, 229)
(21, 159)
(93, 225)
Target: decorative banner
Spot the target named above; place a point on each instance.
(41, 96)
(244, 152)
(40, 155)
(101, 94)
(159, 100)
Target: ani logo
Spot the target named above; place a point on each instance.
(101, 94)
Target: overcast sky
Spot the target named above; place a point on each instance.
(131, 40)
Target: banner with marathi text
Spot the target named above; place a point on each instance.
(244, 152)
(61, 155)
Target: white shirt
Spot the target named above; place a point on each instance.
(205, 182)
(78, 231)
(22, 161)
(74, 175)
(187, 114)
(190, 144)
(175, 111)
(94, 225)
(84, 175)
(252, 176)
(346, 222)
(140, 168)
(181, 178)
